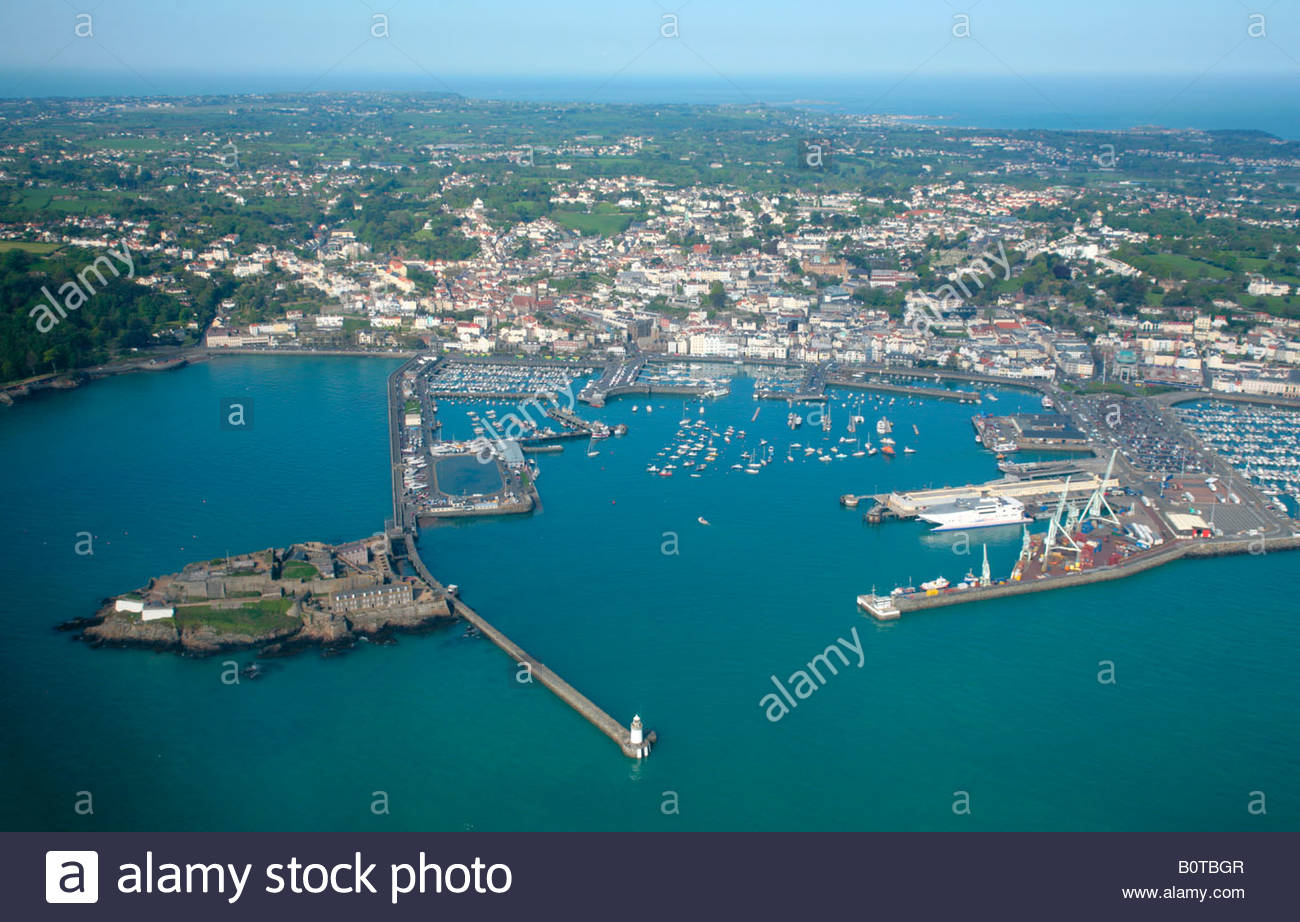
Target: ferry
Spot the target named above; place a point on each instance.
(971, 512)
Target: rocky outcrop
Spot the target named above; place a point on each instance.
(120, 631)
(312, 627)
(204, 640)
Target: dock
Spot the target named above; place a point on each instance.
(910, 390)
(1035, 492)
(892, 607)
(402, 532)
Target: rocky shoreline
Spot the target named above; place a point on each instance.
(332, 632)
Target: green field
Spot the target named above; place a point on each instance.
(7, 245)
(1174, 266)
(298, 569)
(592, 223)
(251, 617)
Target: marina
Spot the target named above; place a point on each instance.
(1263, 443)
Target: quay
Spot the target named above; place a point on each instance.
(858, 382)
(891, 607)
(1032, 492)
(634, 741)
(1088, 540)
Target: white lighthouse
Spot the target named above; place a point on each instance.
(636, 731)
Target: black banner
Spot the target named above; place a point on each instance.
(631, 876)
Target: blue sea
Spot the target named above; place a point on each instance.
(617, 586)
(1196, 99)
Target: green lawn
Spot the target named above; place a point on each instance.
(7, 245)
(298, 569)
(593, 223)
(251, 617)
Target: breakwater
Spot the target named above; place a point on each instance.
(935, 393)
(1131, 567)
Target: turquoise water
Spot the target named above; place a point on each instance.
(999, 699)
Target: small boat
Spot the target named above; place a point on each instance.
(887, 450)
(702, 520)
(908, 450)
(935, 584)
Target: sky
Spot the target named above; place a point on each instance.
(331, 39)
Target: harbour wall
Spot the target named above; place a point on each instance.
(1185, 548)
